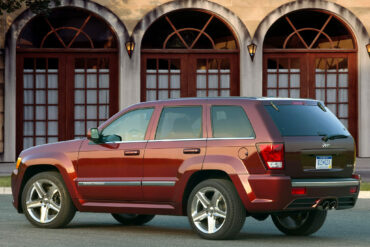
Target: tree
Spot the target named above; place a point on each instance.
(36, 6)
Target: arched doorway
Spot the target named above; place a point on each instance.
(66, 76)
(189, 53)
(313, 54)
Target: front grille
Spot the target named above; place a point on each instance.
(303, 203)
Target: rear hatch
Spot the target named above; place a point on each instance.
(317, 145)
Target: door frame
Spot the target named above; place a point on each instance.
(65, 100)
(307, 78)
(188, 74)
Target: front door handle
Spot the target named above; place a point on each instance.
(132, 152)
(191, 150)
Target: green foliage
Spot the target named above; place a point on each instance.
(36, 6)
(365, 186)
(5, 181)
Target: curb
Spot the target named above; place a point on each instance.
(5, 191)
(8, 191)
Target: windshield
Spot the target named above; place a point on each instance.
(305, 120)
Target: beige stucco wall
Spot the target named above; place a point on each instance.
(251, 12)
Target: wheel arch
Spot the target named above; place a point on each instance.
(36, 168)
(195, 179)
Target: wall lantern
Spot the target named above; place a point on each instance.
(252, 50)
(130, 46)
(368, 48)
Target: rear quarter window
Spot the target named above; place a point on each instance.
(230, 122)
(305, 120)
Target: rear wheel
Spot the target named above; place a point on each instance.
(215, 210)
(300, 223)
(46, 201)
(133, 219)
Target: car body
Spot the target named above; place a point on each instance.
(174, 145)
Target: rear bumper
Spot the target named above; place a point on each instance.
(273, 193)
(329, 182)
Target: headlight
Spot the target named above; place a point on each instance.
(19, 161)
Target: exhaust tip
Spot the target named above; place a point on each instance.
(326, 205)
(333, 204)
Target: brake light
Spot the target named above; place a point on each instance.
(297, 103)
(298, 191)
(353, 190)
(272, 155)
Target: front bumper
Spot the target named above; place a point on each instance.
(273, 193)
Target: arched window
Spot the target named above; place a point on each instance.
(312, 54)
(66, 77)
(188, 53)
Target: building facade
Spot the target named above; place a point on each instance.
(66, 72)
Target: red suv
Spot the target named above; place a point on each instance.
(215, 160)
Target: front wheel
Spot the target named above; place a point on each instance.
(300, 223)
(215, 210)
(133, 219)
(46, 201)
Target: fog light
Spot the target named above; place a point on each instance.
(298, 191)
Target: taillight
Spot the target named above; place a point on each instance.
(272, 155)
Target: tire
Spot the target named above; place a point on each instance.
(300, 224)
(133, 219)
(215, 210)
(46, 202)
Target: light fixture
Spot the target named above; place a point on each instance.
(368, 48)
(130, 46)
(252, 50)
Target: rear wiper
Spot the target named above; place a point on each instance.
(332, 137)
(274, 106)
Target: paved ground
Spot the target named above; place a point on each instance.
(342, 228)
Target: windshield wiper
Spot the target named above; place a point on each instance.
(332, 137)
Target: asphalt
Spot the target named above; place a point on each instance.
(342, 228)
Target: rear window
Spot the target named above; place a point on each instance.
(305, 120)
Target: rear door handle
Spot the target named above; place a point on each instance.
(132, 152)
(191, 150)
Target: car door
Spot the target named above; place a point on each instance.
(112, 168)
(178, 141)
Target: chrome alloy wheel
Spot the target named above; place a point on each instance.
(208, 210)
(293, 221)
(43, 201)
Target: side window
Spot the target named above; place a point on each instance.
(180, 123)
(129, 127)
(230, 122)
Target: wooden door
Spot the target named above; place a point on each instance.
(330, 77)
(167, 76)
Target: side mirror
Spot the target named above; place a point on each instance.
(93, 134)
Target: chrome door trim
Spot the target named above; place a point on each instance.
(127, 183)
(110, 183)
(335, 182)
(158, 183)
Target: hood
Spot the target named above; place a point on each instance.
(71, 146)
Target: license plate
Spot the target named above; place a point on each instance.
(324, 162)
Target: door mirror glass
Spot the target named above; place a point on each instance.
(93, 134)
